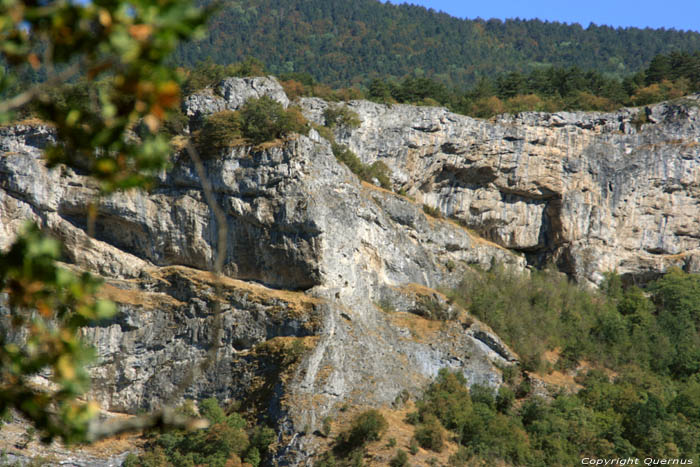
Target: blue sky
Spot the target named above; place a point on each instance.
(679, 14)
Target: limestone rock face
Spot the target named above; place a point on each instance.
(236, 91)
(329, 295)
(231, 94)
(592, 192)
(310, 252)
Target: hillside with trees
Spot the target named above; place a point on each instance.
(346, 43)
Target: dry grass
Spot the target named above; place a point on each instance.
(475, 237)
(372, 187)
(422, 330)
(566, 380)
(29, 121)
(296, 301)
(379, 453)
(13, 433)
(148, 300)
(179, 142)
(275, 143)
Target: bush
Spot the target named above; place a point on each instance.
(524, 103)
(340, 115)
(386, 305)
(448, 399)
(258, 121)
(487, 107)
(504, 399)
(174, 124)
(378, 170)
(368, 426)
(293, 89)
(483, 395)
(326, 426)
(221, 130)
(400, 459)
(432, 212)
(429, 435)
(265, 119)
(326, 460)
(225, 440)
(640, 119)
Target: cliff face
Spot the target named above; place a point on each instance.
(592, 192)
(330, 290)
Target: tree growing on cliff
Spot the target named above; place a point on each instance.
(119, 48)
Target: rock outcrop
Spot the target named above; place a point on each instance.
(591, 192)
(231, 94)
(329, 294)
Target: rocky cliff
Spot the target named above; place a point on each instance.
(330, 290)
(591, 192)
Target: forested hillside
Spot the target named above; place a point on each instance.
(344, 42)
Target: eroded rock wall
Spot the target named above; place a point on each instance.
(592, 192)
(310, 253)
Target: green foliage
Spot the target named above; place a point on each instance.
(429, 434)
(253, 457)
(651, 407)
(367, 426)
(548, 89)
(640, 119)
(342, 43)
(483, 395)
(431, 308)
(112, 55)
(258, 121)
(174, 124)
(340, 115)
(326, 460)
(377, 170)
(621, 328)
(265, 119)
(400, 459)
(551, 311)
(448, 399)
(432, 212)
(120, 51)
(326, 426)
(220, 130)
(677, 299)
(207, 74)
(504, 399)
(543, 89)
(228, 437)
(50, 304)
(386, 305)
(261, 437)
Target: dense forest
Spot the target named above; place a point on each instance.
(550, 89)
(345, 43)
